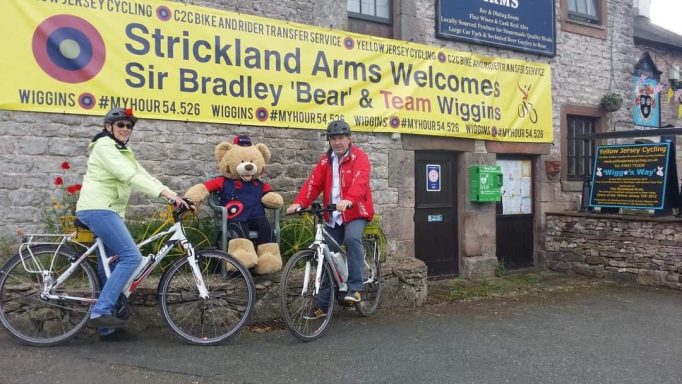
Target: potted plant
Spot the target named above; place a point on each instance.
(611, 102)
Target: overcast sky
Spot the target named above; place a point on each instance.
(667, 14)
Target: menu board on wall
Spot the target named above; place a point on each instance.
(630, 176)
(516, 187)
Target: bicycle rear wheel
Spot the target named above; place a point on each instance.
(371, 279)
(215, 319)
(299, 303)
(45, 322)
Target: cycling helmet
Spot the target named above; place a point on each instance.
(338, 127)
(116, 114)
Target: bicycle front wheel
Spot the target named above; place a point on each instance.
(220, 316)
(371, 279)
(307, 314)
(33, 320)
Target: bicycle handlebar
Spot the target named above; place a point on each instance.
(316, 209)
(178, 212)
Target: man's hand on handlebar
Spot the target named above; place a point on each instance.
(293, 208)
(342, 205)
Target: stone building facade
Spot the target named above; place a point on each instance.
(589, 61)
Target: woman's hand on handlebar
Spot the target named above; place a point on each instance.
(176, 200)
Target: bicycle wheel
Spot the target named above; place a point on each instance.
(45, 322)
(215, 319)
(295, 235)
(299, 303)
(371, 279)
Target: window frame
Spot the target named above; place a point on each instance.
(586, 17)
(375, 19)
(597, 29)
(593, 113)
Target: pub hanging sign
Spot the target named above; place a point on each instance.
(630, 176)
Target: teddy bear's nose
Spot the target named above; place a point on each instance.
(248, 167)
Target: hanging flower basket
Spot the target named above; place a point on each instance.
(611, 102)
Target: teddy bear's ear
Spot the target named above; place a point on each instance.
(264, 151)
(220, 150)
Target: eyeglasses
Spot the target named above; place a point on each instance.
(121, 124)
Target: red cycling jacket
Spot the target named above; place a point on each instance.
(354, 174)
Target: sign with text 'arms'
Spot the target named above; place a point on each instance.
(173, 61)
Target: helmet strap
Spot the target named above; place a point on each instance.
(105, 132)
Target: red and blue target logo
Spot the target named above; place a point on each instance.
(394, 122)
(68, 48)
(262, 114)
(163, 13)
(86, 100)
(349, 43)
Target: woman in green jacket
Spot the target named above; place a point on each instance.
(112, 173)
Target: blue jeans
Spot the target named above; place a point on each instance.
(349, 234)
(109, 227)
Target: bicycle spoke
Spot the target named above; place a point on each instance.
(37, 321)
(296, 306)
(372, 283)
(216, 318)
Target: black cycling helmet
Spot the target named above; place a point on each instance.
(116, 114)
(338, 127)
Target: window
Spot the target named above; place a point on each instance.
(578, 123)
(583, 10)
(372, 17)
(375, 10)
(584, 17)
(580, 151)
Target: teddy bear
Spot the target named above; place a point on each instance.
(244, 196)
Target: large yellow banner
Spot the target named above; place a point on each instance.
(173, 61)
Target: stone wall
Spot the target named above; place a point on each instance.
(32, 146)
(632, 249)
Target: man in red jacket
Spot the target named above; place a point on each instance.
(342, 176)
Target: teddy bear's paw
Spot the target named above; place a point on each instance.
(197, 193)
(243, 250)
(269, 259)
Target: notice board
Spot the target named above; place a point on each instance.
(630, 176)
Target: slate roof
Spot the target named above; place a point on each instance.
(645, 31)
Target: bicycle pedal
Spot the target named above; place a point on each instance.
(346, 304)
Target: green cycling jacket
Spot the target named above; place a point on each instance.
(111, 175)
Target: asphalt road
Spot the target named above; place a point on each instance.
(598, 335)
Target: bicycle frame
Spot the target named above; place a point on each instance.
(147, 264)
(321, 248)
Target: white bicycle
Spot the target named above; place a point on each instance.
(316, 275)
(49, 288)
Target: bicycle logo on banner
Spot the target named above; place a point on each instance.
(526, 108)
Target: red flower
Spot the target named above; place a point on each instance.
(73, 188)
(128, 112)
(58, 181)
(66, 165)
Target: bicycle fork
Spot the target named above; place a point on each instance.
(198, 278)
(318, 274)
